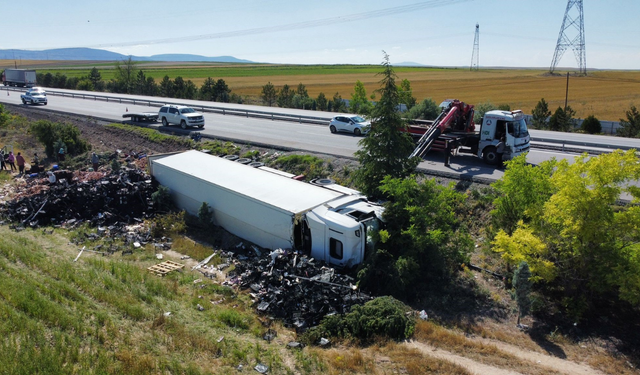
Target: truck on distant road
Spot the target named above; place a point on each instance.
(270, 208)
(19, 77)
(454, 129)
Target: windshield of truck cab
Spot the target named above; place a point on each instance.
(187, 110)
(518, 128)
(371, 226)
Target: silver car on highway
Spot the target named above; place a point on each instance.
(350, 124)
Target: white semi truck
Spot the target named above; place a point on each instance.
(329, 222)
(19, 77)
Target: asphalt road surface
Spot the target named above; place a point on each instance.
(300, 136)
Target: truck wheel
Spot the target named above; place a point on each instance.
(45, 103)
(490, 155)
(24, 101)
(332, 128)
(164, 122)
(183, 124)
(357, 131)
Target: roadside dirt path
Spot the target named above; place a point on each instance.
(558, 364)
(471, 365)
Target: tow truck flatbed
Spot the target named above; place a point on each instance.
(142, 116)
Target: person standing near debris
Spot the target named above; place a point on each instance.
(3, 166)
(61, 154)
(35, 166)
(10, 160)
(20, 161)
(94, 161)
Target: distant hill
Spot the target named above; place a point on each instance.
(89, 54)
(408, 63)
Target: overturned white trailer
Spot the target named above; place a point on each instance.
(269, 208)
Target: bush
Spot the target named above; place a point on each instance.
(4, 117)
(168, 224)
(205, 215)
(426, 110)
(383, 317)
(162, 198)
(591, 125)
(51, 133)
(310, 166)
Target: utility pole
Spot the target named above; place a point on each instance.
(574, 39)
(475, 56)
(566, 95)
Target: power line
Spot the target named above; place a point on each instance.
(288, 27)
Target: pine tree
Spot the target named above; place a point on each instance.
(522, 285)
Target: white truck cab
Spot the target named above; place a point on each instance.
(509, 127)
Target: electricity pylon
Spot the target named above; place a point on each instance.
(572, 22)
(475, 57)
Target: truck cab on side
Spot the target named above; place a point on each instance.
(180, 115)
(509, 127)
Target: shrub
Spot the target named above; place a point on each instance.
(161, 198)
(310, 166)
(168, 224)
(591, 125)
(383, 317)
(51, 133)
(205, 215)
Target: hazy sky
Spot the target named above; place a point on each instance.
(516, 33)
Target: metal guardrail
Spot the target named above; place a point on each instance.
(202, 108)
(269, 115)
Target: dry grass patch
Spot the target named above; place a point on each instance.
(455, 342)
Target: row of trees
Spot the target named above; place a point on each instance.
(130, 80)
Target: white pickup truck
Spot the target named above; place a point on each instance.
(180, 115)
(34, 95)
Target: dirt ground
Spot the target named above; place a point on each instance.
(503, 333)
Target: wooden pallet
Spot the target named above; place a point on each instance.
(165, 267)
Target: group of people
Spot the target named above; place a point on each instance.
(11, 160)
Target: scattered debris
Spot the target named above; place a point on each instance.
(80, 253)
(423, 315)
(159, 256)
(323, 342)
(167, 313)
(263, 369)
(199, 307)
(219, 340)
(295, 345)
(165, 267)
(279, 290)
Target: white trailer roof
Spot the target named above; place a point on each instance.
(278, 191)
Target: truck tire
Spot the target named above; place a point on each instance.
(490, 155)
(332, 128)
(24, 101)
(183, 124)
(357, 131)
(164, 122)
(45, 103)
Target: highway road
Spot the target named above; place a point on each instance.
(299, 136)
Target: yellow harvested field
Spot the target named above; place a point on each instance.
(605, 94)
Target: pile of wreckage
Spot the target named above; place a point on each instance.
(100, 198)
(290, 286)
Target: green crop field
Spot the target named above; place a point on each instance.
(605, 94)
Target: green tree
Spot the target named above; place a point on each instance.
(322, 102)
(125, 75)
(425, 110)
(522, 284)
(178, 87)
(579, 243)
(150, 87)
(423, 240)
(207, 89)
(591, 125)
(285, 97)
(481, 109)
(205, 215)
(166, 87)
(385, 151)
(139, 83)
(562, 120)
(4, 117)
(337, 104)
(51, 133)
(190, 90)
(221, 91)
(504, 107)
(406, 94)
(48, 80)
(269, 94)
(302, 91)
(359, 102)
(95, 76)
(85, 85)
(540, 115)
(59, 81)
(631, 126)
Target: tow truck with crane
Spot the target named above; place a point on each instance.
(454, 128)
